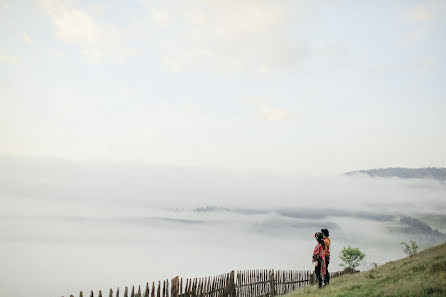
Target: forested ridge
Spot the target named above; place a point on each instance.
(437, 173)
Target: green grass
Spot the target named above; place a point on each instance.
(421, 275)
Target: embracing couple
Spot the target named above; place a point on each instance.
(321, 257)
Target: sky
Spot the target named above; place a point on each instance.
(289, 87)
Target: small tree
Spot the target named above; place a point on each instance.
(411, 249)
(351, 257)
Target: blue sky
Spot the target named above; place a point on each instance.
(281, 86)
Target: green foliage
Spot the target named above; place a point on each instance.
(411, 249)
(351, 257)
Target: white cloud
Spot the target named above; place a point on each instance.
(429, 62)
(8, 59)
(378, 68)
(98, 42)
(420, 14)
(228, 36)
(268, 112)
(159, 16)
(4, 5)
(96, 9)
(414, 36)
(425, 12)
(192, 108)
(28, 40)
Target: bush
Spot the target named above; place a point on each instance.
(351, 257)
(411, 249)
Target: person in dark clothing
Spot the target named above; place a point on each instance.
(319, 258)
(327, 255)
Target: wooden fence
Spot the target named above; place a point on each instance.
(254, 283)
(246, 283)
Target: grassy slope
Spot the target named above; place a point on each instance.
(421, 275)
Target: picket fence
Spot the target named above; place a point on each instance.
(246, 283)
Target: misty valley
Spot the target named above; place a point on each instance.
(109, 226)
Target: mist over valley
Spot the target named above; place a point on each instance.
(105, 224)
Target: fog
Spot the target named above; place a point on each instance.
(71, 226)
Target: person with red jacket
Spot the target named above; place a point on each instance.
(319, 258)
(327, 255)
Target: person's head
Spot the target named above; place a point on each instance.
(325, 232)
(319, 237)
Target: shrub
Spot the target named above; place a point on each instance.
(351, 257)
(411, 249)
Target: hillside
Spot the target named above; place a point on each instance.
(428, 172)
(421, 275)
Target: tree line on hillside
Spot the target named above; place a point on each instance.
(418, 226)
(428, 172)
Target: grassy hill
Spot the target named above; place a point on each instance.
(421, 275)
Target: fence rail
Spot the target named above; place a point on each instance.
(245, 283)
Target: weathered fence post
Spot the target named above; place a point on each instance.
(272, 283)
(164, 288)
(181, 286)
(231, 284)
(311, 278)
(175, 285)
(146, 292)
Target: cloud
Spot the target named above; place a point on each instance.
(4, 5)
(269, 113)
(104, 210)
(429, 62)
(192, 108)
(159, 16)
(228, 36)
(28, 40)
(378, 68)
(420, 13)
(425, 12)
(413, 36)
(98, 41)
(8, 59)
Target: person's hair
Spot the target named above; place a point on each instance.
(325, 232)
(320, 238)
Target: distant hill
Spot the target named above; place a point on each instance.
(416, 226)
(428, 172)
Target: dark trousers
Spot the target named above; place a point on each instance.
(317, 272)
(327, 274)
